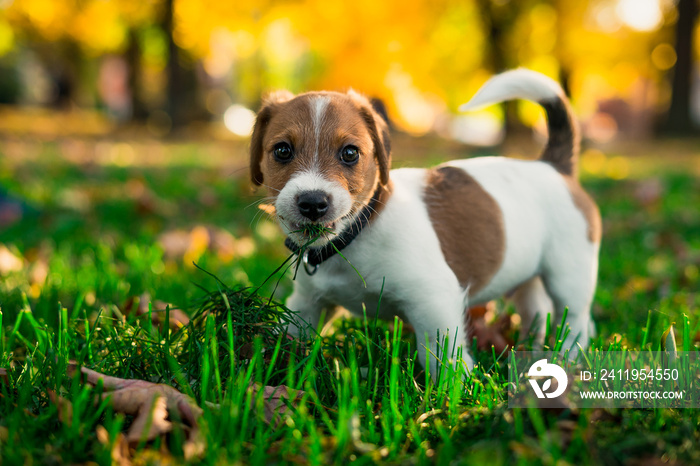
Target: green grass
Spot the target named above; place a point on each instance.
(95, 242)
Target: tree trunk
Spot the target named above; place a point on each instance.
(678, 120)
(182, 104)
(139, 112)
(497, 19)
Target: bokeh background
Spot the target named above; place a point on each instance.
(167, 64)
(124, 128)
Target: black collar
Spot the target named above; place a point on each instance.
(313, 257)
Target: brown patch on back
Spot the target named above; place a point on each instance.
(468, 223)
(588, 208)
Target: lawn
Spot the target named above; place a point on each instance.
(104, 257)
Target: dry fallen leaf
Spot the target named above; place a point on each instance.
(128, 394)
(155, 407)
(65, 408)
(190, 245)
(275, 400)
(489, 334)
(120, 449)
(151, 421)
(175, 243)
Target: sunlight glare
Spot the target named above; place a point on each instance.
(239, 120)
(640, 15)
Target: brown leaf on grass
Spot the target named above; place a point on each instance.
(151, 421)
(129, 394)
(65, 408)
(139, 306)
(4, 378)
(175, 243)
(478, 312)
(487, 333)
(195, 445)
(154, 406)
(275, 400)
(120, 449)
(190, 245)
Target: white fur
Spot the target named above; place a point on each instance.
(318, 108)
(533, 304)
(310, 180)
(515, 84)
(546, 235)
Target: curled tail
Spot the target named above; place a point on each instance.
(563, 144)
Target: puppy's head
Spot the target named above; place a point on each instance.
(321, 156)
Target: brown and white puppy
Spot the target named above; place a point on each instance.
(430, 242)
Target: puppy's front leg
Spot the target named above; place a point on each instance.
(305, 303)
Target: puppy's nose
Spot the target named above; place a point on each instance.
(313, 204)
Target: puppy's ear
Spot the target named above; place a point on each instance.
(270, 103)
(379, 132)
(380, 107)
(278, 97)
(382, 143)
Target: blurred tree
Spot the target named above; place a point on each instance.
(560, 7)
(423, 57)
(70, 35)
(679, 120)
(132, 55)
(9, 82)
(182, 104)
(500, 17)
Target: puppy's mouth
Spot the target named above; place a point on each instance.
(315, 234)
(310, 230)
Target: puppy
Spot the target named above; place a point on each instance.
(430, 242)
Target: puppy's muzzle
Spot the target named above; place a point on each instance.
(313, 204)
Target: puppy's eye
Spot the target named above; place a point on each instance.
(349, 155)
(283, 152)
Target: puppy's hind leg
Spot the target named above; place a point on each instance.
(532, 304)
(571, 284)
(443, 314)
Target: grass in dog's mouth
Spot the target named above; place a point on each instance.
(314, 231)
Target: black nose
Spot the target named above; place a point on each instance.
(313, 204)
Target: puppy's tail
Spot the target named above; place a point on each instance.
(563, 144)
